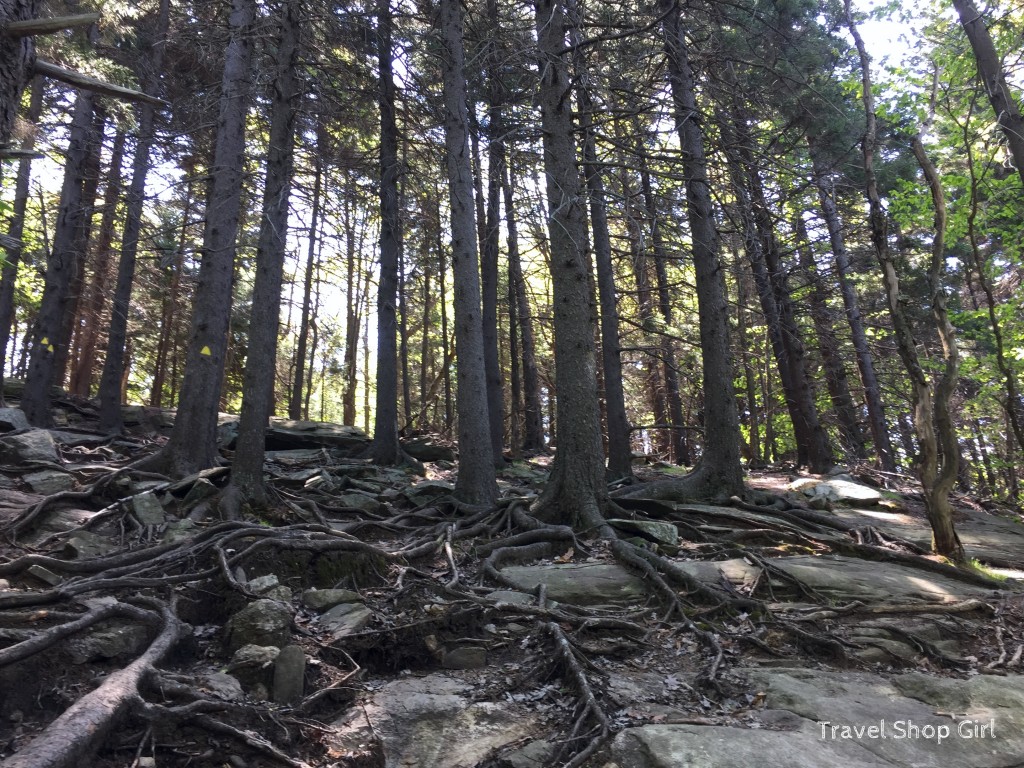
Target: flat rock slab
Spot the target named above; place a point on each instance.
(851, 719)
(579, 583)
(847, 578)
(431, 722)
(984, 536)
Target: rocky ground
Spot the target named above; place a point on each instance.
(368, 620)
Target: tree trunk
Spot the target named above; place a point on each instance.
(17, 229)
(756, 457)
(476, 482)
(673, 396)
(193, 441)
(718, 471)
(813, 449)
(70, 326)
(446, 352)
(828, 345)
(575, 493)
(620, 452)
(865, 362)
(489, 249)
(168, 314)
(61, 267)
(1012, 404)
(533, 423)
(990, 70)
(16, 57)
(261, 363)
(117, 334)
(353, 304)
(299, 375)
(385, 448)
(92, 312)
(936, 480)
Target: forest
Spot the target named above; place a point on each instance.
(644, 253)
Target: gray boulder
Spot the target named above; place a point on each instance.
(12, 419)
(323, 599)
(262, 622)
(36, 445)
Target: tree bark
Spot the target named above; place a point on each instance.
(61, 266)
(354, 300)
(935, 479)
(261, 363)
(718, 471)
(17, 55)
(96, 299)
(193, 441)
(385, 448)
(168, 314)
(476, 483)
(620, 452)
(865, 361)
(575, 493)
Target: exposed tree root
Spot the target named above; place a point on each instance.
(589, 710)
(75, 735)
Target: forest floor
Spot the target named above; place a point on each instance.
(369, 620)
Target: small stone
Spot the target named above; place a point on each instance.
(511, 596)
(820, 501)
(260, 692)
(261, 584)
(289, 675)
(344, 619)
(86, 544)
(44, 574)
(253, 656)
(323, 599)
(202, 489)
(465, 658)
(666, 533)
(222, 685)
(281, 593)
(262, 622)
(5, 584)
(237, 762)
(108, 641)
(359, 501)
(147, 762)
(179, 530)
(148, 509)
(430, 489)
